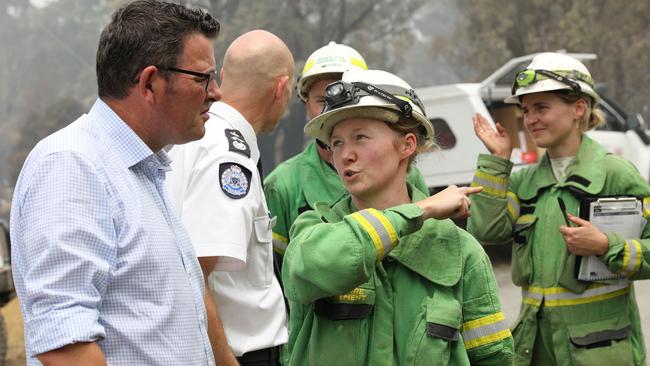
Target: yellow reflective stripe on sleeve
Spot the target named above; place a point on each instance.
(646, 207)
(558, 296)
(513, 205)
(392, 234)
(371, 232)
(380, 230)
(279, 243)
(631, 258)
(482, 331)
(493, 185)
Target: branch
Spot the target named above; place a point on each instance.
(344, 30)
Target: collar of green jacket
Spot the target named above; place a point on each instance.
(434, 251)
(589, 178)
(319, 177)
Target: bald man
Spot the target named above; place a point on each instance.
(216, 189)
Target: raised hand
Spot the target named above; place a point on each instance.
(497, 141)
(452, 202)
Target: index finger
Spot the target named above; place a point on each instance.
(576, 220)
(471, 190)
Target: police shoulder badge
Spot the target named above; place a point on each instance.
(237, 143)
(235, 180)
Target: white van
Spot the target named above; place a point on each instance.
(451, 107)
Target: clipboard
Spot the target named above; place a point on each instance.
(622, 215)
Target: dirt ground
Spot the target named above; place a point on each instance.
(15, 336)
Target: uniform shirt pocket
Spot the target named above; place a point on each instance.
(522, 265)
(259, 256)
(438, 337)
(444, 317)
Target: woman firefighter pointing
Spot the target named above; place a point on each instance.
(381, 277)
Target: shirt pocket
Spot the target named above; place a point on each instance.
(522, 265)
(260, 260)
(438, 334)
(604, 342)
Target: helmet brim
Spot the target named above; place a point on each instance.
(321, 126)
(548, 85)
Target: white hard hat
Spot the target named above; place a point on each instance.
(551, 71)
(372, 94)
(329, 61)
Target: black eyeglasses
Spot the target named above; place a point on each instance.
(206, 77)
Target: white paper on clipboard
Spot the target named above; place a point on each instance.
(620, 215)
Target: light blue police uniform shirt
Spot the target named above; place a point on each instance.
(98, 254)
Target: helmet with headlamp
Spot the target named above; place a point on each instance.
(372, 94)
(551, 71)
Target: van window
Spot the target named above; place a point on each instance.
(444, 137)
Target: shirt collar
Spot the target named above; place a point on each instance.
(579, 174)
(323, 180)
(129, 147)
(238, 122)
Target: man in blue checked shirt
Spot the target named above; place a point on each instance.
(104, 270)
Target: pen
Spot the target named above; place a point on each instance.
(563, 208)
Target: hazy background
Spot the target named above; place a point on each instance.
(47, 52)
(47, 63)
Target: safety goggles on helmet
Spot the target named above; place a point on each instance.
(528, 77)
(340, 93)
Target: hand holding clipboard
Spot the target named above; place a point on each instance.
(582, 238)
(620, 215)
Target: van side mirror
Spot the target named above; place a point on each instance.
(634, 121)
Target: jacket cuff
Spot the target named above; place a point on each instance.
(494, 165)
(406, 218)
(623, 256)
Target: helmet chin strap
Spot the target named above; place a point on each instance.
(322, 145)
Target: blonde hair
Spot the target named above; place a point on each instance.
(593, 116)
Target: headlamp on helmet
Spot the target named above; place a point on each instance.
(370, 94)
(552, 72)
(528, 77)
(341, 93)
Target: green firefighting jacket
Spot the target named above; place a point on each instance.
(379, 288)
(295, 185)
(593, 323)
